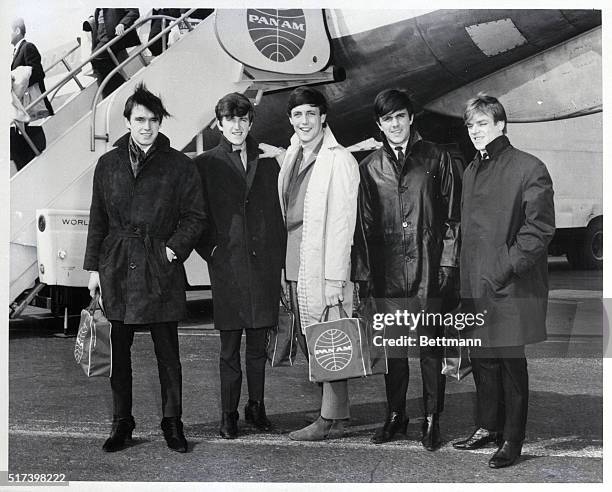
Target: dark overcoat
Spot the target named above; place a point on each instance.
(508, 220)
(113, 17)
(244, 240)
(407, 223)
(28, 56)
(131, 222)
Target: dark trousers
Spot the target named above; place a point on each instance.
(502, 390)
(102, 67)
(21, 152)
(231, 372)
(166, 344)
(434, 382)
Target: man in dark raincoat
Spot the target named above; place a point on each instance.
(406, 251)
(243, 244)
(508, 220)
(146, 217)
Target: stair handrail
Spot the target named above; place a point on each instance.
(72, 74)
(107, 46)
(62, 59)
(136, 52)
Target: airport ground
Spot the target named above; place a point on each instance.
(59, 419)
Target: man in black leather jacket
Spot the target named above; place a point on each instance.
(405, 251)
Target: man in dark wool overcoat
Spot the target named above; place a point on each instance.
(146, 217)
(243, 244)
(508, 220)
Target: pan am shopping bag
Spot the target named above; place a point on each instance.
(281, 340)
(336, 348)
(93, 348)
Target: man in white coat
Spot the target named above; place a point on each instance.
(317, 185)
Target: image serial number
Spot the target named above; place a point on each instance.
(35, 477)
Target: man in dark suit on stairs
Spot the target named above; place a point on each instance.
(25, 54)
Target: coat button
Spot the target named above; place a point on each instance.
(253, 253)
(132, 265)
(404, 224)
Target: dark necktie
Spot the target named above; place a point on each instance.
(238, 152)
(400, 155)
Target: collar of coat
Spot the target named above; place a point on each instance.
(415, 137)
(329, 141)
(252, 147)
(496, 146)
(162, 143)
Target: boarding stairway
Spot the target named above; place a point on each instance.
(190, 76)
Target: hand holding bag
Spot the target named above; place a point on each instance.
(336, 348)
(281, 340)
(39, 110)
(93, 347)
(377, 363)
(456, 363)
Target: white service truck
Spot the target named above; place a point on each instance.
(572, 150)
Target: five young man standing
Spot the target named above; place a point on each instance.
(261, 228)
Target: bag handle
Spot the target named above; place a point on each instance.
(96, 303)
(284, 301)
(325, 314)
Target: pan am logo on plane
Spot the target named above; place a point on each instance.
(279, 35)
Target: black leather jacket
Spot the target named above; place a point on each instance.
(407, 222)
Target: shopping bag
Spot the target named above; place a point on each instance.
(281, 340)
(376, 355)
(456, 362)
(93, 348)
(336, 348)
(39, 110)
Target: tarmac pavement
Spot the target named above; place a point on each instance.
(59, 419)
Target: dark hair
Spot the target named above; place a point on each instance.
(143, 97)
(391, 100)
(234, 104)
(483, 103)
(306, 95)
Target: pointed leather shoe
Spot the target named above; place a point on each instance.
(229, 425)
(395, 423)
(479, 438)
(121, 434)
(173, 434)
(506, 455)
(431, 439)
(319, 430)
(255, 413)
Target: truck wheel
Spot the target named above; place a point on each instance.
(592, 250)
(587, 253)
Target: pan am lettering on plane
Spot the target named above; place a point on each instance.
(271, 21)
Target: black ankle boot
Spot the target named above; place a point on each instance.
(431, 432)
(255, 413)
(121, 432)
(173, 434)
(229, 425)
